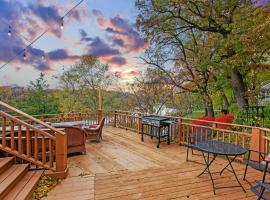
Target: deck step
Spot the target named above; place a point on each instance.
(5, 163)
(10, 177)
(24, 189)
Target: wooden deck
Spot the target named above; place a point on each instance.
(122, 167)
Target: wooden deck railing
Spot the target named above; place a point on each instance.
(256, 138)
(247, 136)
(41, 144)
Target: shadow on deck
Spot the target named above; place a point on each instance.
(123, 167)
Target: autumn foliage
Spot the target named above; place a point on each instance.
(206, 120)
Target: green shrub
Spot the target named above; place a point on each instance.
(267, 116)
(45, 184)
(241, 118)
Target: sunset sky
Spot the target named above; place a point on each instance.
(103, 28)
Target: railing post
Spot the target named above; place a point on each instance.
(61, 155)
(126, 121)
(139, 126)
(180, 131)
(256, 143)
(99, 115)
(115, 116)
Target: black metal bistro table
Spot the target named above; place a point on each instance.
(159, 127)
(230, 151)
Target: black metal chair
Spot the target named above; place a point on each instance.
(198, 134)
(263, 166)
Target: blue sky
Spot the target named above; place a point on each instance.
(103, 28)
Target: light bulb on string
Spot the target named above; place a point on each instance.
(9, 31)
(43, 57)
(24, 55)
(62, 24)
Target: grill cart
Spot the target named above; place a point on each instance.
(157, 127)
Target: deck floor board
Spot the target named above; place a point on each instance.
(122, 167)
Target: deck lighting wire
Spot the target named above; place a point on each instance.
(41, 35)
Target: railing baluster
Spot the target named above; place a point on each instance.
(28, 143)
(243, 141)
(201, 130)
(20, 139)
(188, 134)
(50, 153)
(36, 145)
(12, 145)
(43, 149)
(4, 142)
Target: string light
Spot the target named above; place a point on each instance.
(43, 57)
(9, 31)
(32, 43)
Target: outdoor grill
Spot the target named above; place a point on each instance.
(156, 126)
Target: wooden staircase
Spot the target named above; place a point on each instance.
(33, 141)
(16, 181)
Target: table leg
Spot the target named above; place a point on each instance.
(230, 164)
(209, 163)
(227, 166)
(158, 137)
(168, 137)
(142, 134)
(208, 169)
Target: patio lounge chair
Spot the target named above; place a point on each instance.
(263, 165)
(75, 139)
(94, 132)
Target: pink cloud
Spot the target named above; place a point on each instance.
(122, 34)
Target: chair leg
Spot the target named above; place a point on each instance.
(244, 178)
(187, 154)
(261, 193)
(84, 152)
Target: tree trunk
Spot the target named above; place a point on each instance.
(205, 110)
(225, 101)
(208, 103)
(239, 89)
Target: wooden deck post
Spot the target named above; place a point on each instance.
(99, 115)
(139, 127)
(180, 131)
(256, 143)
(61, 155)
(99, 112)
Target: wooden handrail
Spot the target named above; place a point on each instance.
(29, 125)
(214, 122)
(33, 143)
(30, 117)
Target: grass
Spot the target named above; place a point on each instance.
(199, 113)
